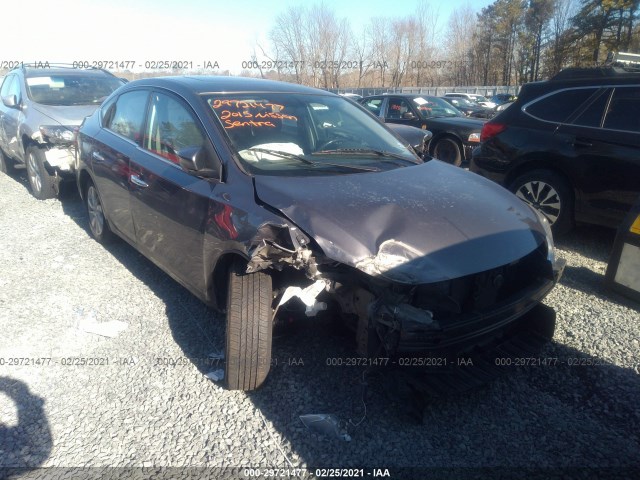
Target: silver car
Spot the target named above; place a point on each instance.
(40, 109)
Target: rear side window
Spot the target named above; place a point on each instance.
(592, 115)
(624, 110)
(559, 106)
(126, 116)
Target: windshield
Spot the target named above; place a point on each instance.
(299, 134)
(432, 107)
(480, 98)
(71, 89)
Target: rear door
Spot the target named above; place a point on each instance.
(605, 138)
(170, 206)
(110, 156)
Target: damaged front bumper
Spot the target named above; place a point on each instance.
(391, 315)
(60, 160)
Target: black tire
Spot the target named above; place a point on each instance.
(547, 192)
(448, 150)
(98, 225)
(6, 164)
(249, 328)
(42, 184)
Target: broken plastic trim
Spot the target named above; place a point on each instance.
(277, 246)
(307, 295)
(325, 424)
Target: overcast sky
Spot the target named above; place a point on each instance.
(223, 31)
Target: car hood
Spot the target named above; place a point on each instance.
(413, 225)
(65, 115)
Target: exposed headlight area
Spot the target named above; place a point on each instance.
(57, 134)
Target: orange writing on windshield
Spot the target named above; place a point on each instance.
(243, 113)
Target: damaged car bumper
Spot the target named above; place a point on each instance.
(60, 160)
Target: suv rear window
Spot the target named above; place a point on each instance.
(624, 108)
(559, 106)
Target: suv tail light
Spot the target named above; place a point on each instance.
(491, 129)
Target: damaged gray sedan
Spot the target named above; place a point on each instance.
(260, 196)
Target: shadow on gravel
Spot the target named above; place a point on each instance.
(68, 189)
(590, 241)
(28, 444)
(592, 283)
(554, 413)
(561, 414)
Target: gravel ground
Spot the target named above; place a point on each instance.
(152, 406)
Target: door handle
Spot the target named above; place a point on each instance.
(97, 156)
(136, 180)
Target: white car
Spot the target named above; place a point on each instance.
(474, 97)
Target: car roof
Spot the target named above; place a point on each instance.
(200, 84)
(40, 72)
(579, 77)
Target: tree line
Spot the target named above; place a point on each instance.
(509, 42)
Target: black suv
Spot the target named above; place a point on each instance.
(569, 146)
(39, 110)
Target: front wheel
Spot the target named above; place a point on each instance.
(549, 194)
(448, 150)
(42, 184)
(249, 328)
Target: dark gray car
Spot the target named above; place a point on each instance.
(263, 196)
(40, 108)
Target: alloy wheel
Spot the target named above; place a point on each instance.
(33, 169)
(96, 215)
(543, 197)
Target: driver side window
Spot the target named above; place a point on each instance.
(171, 128)
(396, 108)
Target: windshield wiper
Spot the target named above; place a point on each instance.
(364, 151)
(293, 156)
(281, 154)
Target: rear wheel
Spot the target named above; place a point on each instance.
(42, 184)
(98, 225)
(549, 194)
(249, 328)
(448, 150)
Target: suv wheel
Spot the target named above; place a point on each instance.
(549, 194)
(42, 184)
(6, 165)
(98, 225)
(448, 150)
(249, 328)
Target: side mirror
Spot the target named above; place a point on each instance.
(195, 161)
(408, 115)
(10, 101)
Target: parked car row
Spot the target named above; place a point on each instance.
(259, 196)
(454, 134)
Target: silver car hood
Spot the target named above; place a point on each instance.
(417, 224)
(64, 115)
